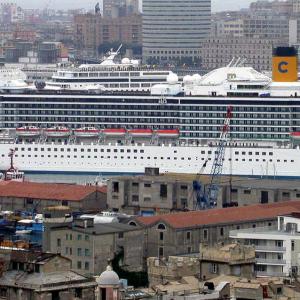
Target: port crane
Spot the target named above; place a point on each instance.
(208, 198)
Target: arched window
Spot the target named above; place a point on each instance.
(161, 226)
(131, 223)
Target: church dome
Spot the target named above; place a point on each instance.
(108, 277)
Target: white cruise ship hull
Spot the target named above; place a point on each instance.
(251, 161)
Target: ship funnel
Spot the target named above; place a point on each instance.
(285, 64)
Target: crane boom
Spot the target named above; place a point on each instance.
(217, 168)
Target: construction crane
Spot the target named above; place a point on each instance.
(217, 168)
(208, 199)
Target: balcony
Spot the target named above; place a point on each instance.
(269, 249)
(270, 274)
(267, 261)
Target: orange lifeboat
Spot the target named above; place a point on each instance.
(28, 131)
(141, 132)
(168, 133)
(87, 132)
(114, 132)
(57, 131)
(295, 135)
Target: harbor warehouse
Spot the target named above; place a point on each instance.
(16, 196)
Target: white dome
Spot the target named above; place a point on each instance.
(172, 78)
(125, 61)
(196, 77)
(108, 277)
(187, 79)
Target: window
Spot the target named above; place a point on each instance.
(147, 199)
(160, 251)
(64, 203)
(161, 227)
(278, 243)
(135, 184)
(214, 268)
(79, 265)
(147, 185)
(161, 235)
(135, 198)
(79, 237)
(189, 249)
(115, 187)
(286, 194)
(163, 190)
(205, 234)
(87, 238)
(29, 201)
(86, 265)
(87, 252)
(58, 242)
(183, 187)
(121, 235)
(79, 252)
(221, 231)
(188, 235)
(247, 192)
(293, 245)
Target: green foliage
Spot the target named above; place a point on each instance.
(136, 279)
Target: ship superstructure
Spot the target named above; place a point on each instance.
(175, 127)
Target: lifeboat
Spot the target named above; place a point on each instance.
(295, 135)
(57, 132)
(169, 133)
(28, 131)
(87, 132)
(141, 132)
(114, 132)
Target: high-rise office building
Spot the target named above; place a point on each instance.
(174, 29)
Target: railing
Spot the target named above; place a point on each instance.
(270, 274)
(267, 261)
(270, 249)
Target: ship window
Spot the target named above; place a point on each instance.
(264, 153)
(62, 149)
(22, 149)
(35, 156)
(142, 151)
(108, 150)
(55, 149)
(68, 150)
(285, 160)
(75, 156)
(257, 159)
(236, 153)
(292, 161)
(122, 150)
(82, 156)
(271, 153)
(115, 150)
(82, 150)
(202, 152)
(42, 149)
(29, 155)
(256, 153)
(35, 149)
(29, 149)
(155, 157)
(75, 150)
(62, 156)
(243, 153)
(102, 150)
(48, 155)
(95, 150)
(128, 151)
(88, 150)
(278, 160)
(250, 153)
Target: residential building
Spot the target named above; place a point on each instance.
(92, 30)
(181, 233)
(276, 249)
(34, 275)
(120, 8)
(231, 259)
(217, 52)
(90, 245)
(210, 262)
(33, 196)
(174, 30)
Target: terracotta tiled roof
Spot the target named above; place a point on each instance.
(47, 191)
(224, 215)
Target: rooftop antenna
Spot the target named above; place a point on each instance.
(237, 62)
(231, 62)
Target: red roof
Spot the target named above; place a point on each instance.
(224, 215)
(47, 191)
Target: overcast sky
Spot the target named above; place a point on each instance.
(217, 5)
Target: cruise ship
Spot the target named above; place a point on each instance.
(126, 75)
(175, 126)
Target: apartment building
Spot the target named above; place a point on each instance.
(217, 52)
(92, 30)
(276, 248)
